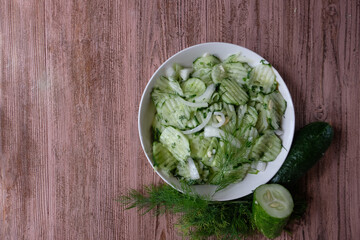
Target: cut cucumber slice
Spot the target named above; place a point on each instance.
(218, 73)
(193, 87)
(267, 147)
(237, 71)
(163, 159)
(262, 79)
(204, 74)
(176, 143)
(232, 93)
(272, 207)
(206, 61)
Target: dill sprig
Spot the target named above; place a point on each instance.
(232, 158)
(200, 218)
(161, 199)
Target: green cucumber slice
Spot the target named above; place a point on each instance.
(206, 61)
(218, 73)
(176, 143)
(193, 87)
(272, 207)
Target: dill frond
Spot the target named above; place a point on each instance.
(232, 157)
(199, 218)
(161, 199)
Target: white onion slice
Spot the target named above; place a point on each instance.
(210, 131)
(207, 94)
(170, 72)
(279, 132)
(219, 124)
(194, 173)
(194, 104)
(254, 164)
(213, 132)
(185, 72)
(261, 166)
(199, 127)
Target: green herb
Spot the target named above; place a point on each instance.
(227, 175)
(156, 134)
(248, 144)
(182, 117)
(199, 217)
(265, 62)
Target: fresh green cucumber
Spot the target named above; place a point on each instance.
(272, 207)
(309, 145)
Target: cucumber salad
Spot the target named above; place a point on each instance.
(216, 121)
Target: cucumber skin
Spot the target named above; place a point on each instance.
(270, 226)
(309, 145)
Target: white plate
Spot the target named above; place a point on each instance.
(147, 112)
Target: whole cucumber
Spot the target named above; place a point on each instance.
(309, 145)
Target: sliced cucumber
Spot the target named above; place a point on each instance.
(173, 112)
(230, 114)
(163, 159)
(204, 74)
(250, 118)
(267, 147)
(206, 61)
(176, 143)
(237, 71)
(235, 58)
(272, 207)
(218, 73)
(198, 145)
(262, 79)
(275, 108)
(233, 93)
(193, 87)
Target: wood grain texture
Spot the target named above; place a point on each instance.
(71, 78)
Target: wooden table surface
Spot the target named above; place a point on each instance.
(72, 74)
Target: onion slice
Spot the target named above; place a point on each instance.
(279, 132)
(199, 127)
(210, 131)
(194, 173)
(254, 164)
(207, 94)
(261, 166)
(170, 72)
(184, 73)
(219, 124)
(194, 104)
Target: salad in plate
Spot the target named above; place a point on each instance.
(216, 121)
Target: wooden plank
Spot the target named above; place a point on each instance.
(23, 122)
(72, 75)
